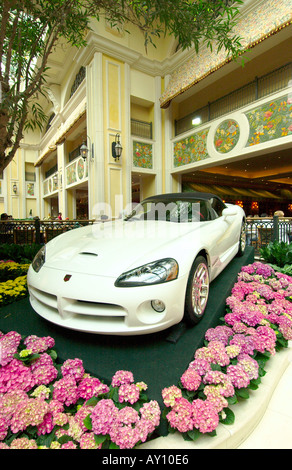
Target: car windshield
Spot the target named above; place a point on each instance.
(193, 210)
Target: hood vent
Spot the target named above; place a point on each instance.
(88, 253)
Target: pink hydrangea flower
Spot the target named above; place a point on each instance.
(218, 353)
(66, 391)
(69, 445)
(30, 412)
(200, 365)
(123, 436)
(129, 393)
(170, 394)
(214, 353)
(245, 342)
(221, 380)
(265, 339)
(285, 327)
(103, 415)
(205, 416)
(43, 370)
(4, 426)
(74, 430)
(143, 428)
(81, 414)
(87, 441)
(181, 415)
(191, 379)
(151, 412)
(122, 377)
(59, 419)
(4, 446)
(238, 376)
(215, 397)
(47, 425)
(9, 400)
(74, 368)
(23, 443)
(91, 387)
(8, 346)
(249, 365)
(39, 344)
(14, 376)
(219, 333)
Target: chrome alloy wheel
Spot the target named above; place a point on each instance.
(200, 289)
(242, 240)
(243, 237)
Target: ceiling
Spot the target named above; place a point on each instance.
(271, 172)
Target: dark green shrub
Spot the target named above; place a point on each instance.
(277, 253)
(19, 253)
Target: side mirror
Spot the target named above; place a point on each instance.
(229, 212)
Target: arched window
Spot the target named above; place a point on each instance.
(78, 80)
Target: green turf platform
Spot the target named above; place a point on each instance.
(158, 359)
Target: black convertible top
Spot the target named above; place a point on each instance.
(181, 196)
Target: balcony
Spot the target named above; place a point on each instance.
(253, 91)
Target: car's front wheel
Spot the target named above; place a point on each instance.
(242, 240)
(197, 292)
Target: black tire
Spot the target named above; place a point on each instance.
(242, 240)
(197, 291)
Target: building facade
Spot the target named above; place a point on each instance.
(184, 122)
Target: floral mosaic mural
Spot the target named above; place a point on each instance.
(81, 168)
(76, 171)
(270, 121)
(191, 149)
(142, 155)
(30, 189)
(226, 136)
(71, 174)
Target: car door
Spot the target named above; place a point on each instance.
(223, 238)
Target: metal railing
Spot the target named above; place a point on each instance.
(141, 128)
(38, 231)
(261, 231)
(260, 87)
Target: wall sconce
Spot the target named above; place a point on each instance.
(117, 148)
(14, 188)
(85, 151)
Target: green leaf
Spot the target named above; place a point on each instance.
(53, 354)
(113, 446)
(253, 386)
(88, 423)
(232, 400)
(192, 435)
(64, 439)
(92, 401)
(100, 438)
(242, 393)
(229, 418)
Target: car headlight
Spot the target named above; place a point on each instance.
(160, 271)
(39, 259)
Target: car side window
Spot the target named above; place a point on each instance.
(217, 207)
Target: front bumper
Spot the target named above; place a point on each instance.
(93, 304)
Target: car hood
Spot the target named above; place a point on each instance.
(109, 249)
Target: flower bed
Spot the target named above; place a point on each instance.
(12, 281)
(258, 322)
(44, 404)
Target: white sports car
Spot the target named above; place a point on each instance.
(140, 274)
